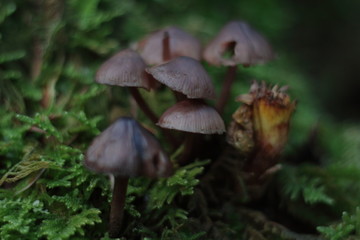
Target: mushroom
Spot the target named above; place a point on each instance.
(127, 69)
(188, 79)
(125, 149)
(194, 117)
(245, 45)
(168, 43)
(185, 75)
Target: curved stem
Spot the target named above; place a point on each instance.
(143, 105)
(117, 206)
(225, 92)
(151, 115)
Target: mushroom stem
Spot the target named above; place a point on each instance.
(225, 92)
(151, 115)
(179, 96)
(166, 47)
(143, 105)
(117, 206)
(189, 148)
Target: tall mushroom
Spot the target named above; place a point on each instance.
(127, 69)
(245, 46)
(125, 149)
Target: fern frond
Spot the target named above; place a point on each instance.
(348, 227)
(63, 227)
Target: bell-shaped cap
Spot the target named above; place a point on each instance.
(185, 75)
(181, 43)
(125, 148)
(125, 69)
(192, 116)
(246, 45)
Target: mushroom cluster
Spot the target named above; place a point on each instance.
(169, 57)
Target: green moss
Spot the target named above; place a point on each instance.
(51, 109)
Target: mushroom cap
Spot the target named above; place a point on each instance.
(125, 148)
(250, 47)
(185, 75)
(126, 69)
(181, 44)
(192, 116)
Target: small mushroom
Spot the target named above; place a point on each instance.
(194, 117)
(126, 69)
(168, 43)
(185, 75)
(245, 46)
(125, 149)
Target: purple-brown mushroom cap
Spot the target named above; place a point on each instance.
(249, 47)
(181, 43)
(192, 116)
(127, 149)
(125, 69)
(185, 75)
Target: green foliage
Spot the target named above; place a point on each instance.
(297, 186)
(28, 165)
(63, 228)
(20, 219)
(181, 183)
(348, 228)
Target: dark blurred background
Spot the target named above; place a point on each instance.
(322, 37)
(326, 38)
(318, 40)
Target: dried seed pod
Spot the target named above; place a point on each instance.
(192, 116)
(180, 43)
(259, 131)
(240, 133)
(269, 111)
(126, 69)
(185, 75)
(247, 46)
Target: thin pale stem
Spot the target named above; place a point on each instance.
(117, 206)
(226, 89)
